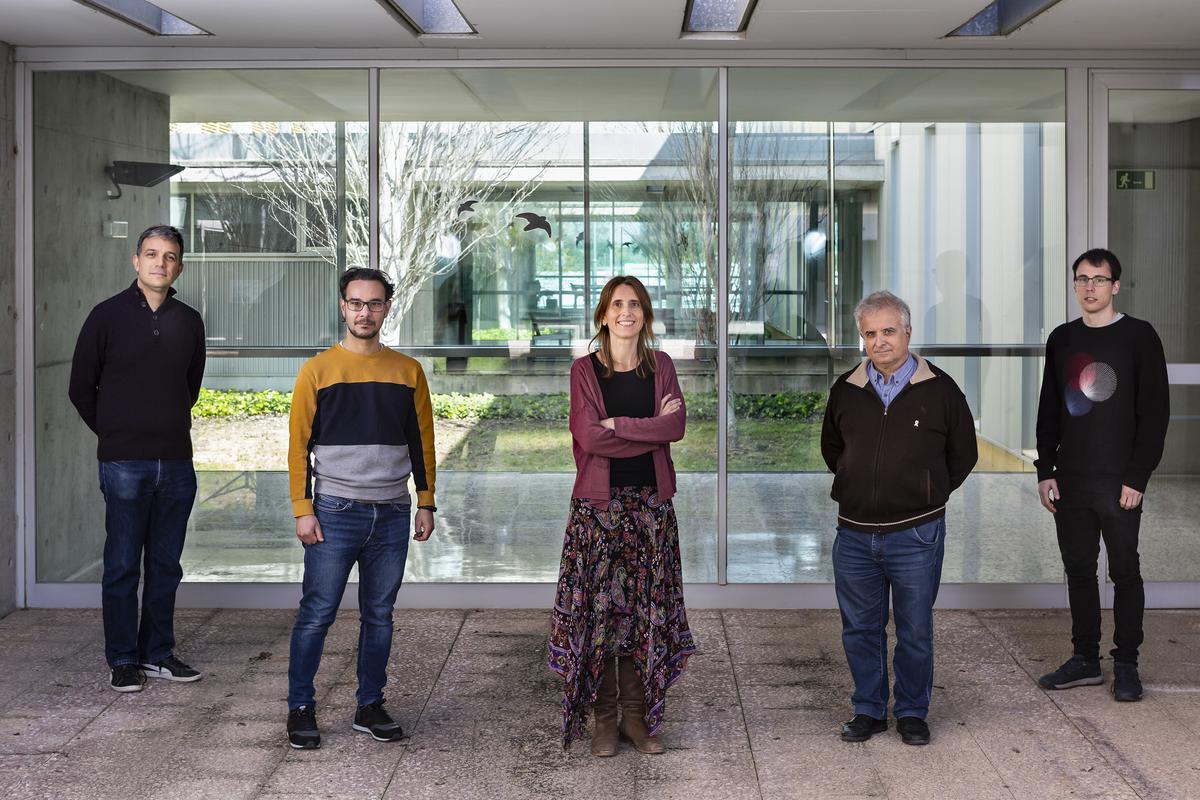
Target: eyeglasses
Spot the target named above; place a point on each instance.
(1099, 281)
(375, 306)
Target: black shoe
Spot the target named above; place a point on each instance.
(373, 719)
(912, 730)
(127, 678)
(302, 730)
(171, 669)
(1078, 671)
(861, 727)
(1126, 685)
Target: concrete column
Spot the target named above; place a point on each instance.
(82, 122)
(8, 334)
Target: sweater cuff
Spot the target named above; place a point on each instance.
(302, 508)
(1136, 479)
(425, 499)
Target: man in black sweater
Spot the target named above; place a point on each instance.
(1101, 425)
(899, 437)
(135, 376)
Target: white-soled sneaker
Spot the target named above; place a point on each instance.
(127, 678)
(171, 669)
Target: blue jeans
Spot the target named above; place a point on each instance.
(375, 535)
(867, 567)
(146, 509)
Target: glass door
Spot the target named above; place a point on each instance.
(1146, 209)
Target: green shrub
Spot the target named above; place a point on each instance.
(232, 403)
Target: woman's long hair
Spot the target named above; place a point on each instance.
(646, 359)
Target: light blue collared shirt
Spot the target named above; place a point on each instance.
(887, 389)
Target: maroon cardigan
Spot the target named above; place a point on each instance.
(594, 445)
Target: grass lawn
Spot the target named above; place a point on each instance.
(762, 446)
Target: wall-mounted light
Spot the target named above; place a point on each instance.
(138, 173)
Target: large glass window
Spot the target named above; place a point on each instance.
(940, 186)
(271, 204)
(508, 197)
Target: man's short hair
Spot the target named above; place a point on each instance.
(877, 301)
(365, 274)
(1098, 257)
(168, 232)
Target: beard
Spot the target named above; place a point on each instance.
(357, 334)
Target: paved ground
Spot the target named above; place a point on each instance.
(755, 715)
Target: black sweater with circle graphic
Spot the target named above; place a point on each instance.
(1104, 407)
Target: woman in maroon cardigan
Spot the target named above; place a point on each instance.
(620, 588)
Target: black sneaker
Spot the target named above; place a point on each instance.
(1078, 671)
(127, 678)
(912, 730)
(373, 719)
(171, 669)
(302, 730)
(861, 727)
(1126, 685)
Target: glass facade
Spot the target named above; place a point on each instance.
(505, 198)
(949, 193)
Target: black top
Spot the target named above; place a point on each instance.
(627, 394)
(1105, 405)
(136, 375)
(894, 468)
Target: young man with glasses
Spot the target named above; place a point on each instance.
(1101, 425)
(135, 376)
(361, 424)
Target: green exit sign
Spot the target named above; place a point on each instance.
(1135, 179)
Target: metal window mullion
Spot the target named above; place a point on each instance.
(25, 467)
(722, 325)
(587, 226)
(373, 167)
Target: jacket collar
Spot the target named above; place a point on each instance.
(860, 379)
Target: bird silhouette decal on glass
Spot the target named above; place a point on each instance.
(466, 207)
(535, 222)
(579, 238)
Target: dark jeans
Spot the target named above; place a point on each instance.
(867, 568)
(146, 509)
(1084, 515)
(375, 536)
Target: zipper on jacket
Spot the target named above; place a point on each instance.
(878, 450)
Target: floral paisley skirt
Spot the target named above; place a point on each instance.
(620, 593)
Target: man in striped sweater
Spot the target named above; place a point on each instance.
(361, 424)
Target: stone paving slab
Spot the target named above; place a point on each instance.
(755, 715)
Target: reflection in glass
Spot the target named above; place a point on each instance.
(917, 181)
(500, 222)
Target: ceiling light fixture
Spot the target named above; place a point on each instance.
(146, 16)
(430, 18)
(717, 17)
(1002, 17)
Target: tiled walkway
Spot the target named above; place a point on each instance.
(755, 715)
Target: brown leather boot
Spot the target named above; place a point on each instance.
(633, 710)
(604, 712)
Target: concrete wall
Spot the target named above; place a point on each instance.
(8, 454)
(82, 122)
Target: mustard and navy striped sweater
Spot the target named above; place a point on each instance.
(360, 425)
